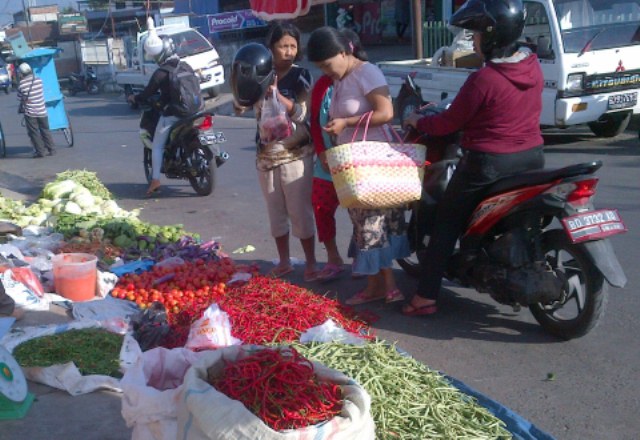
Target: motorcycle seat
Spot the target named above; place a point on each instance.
(544, 175)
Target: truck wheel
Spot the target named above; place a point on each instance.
(610, 124)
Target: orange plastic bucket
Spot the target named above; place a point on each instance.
(75, 275)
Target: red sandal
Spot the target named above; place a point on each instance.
(411, 310)
(363, 297)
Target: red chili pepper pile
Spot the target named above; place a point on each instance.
(280, 387)
(266, 310)
(262, 311)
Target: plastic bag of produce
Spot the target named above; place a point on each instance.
(213, 330)
(206, 414)
(21, 293)
(150, 387)
(275, 124)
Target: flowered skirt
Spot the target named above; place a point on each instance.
(379, 238)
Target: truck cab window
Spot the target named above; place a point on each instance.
(537, 33)
(598, 24)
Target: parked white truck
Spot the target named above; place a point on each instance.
(589, 51)
(191, 46)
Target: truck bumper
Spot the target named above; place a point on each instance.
(584, 109)
(211, 77)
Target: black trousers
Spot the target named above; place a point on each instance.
(473, 176)
(38, 131)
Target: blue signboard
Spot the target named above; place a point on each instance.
(231, 21)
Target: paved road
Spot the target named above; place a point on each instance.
(489, 347)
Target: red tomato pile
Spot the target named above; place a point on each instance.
(190, 286)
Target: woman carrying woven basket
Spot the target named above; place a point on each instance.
(359, 88)
(498, 107)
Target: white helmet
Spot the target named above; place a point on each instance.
(24, 69)
(153, 43)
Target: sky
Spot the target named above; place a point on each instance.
(10, 7)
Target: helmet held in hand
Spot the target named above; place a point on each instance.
(251, 74)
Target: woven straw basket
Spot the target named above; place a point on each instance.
(374, 174)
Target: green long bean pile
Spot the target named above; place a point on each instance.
(408, 401)
(93, 350)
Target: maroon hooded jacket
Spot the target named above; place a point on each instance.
(498, 107)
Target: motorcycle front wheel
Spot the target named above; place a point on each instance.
(93, 89)
(585, 290)
(146, 163)
(202, 172)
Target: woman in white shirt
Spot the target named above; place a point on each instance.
(360, 87)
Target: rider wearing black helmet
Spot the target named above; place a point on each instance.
(498, 108)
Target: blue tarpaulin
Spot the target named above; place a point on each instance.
(518, 426)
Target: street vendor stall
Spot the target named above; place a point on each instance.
(202, 334)
(41, 61)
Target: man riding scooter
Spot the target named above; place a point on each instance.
(163, 52)
(499, 109)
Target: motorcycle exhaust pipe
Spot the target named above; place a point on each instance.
(222, 158)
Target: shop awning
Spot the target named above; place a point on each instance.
(282, 9)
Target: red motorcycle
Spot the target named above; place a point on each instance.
(536, 240)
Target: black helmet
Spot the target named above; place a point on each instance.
(500, 22)
(251, 74)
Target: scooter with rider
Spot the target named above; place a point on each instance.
(501, 223)
(192, 152)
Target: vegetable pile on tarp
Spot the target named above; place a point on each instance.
(77, 205)
(280, 387)
(93, 351)
(266, 310)
(262, 310)
(408, 400)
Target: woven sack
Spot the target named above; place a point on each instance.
(376, 174)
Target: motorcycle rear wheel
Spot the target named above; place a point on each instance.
(146, 162)
(204, 179)
(586, 290)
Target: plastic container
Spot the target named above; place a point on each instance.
(74, 276)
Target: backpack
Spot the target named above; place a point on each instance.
(184, 90)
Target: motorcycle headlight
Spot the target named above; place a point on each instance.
(575, 82)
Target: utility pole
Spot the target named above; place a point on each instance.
(27, 19)
(417, 29)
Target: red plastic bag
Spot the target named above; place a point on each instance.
(26, 276)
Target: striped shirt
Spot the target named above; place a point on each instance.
(30, 90)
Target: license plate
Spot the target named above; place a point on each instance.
(210, 138)
(593, 225)
(623, 100)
